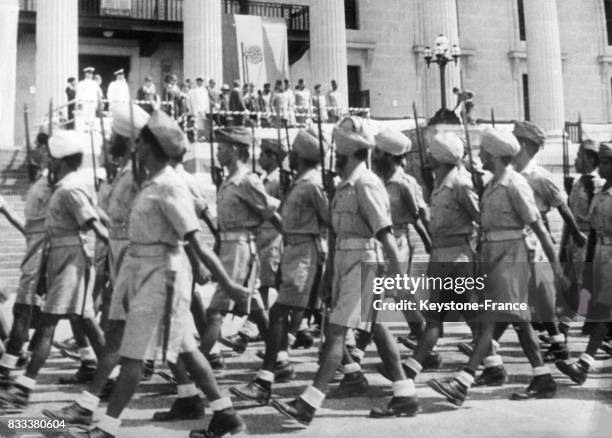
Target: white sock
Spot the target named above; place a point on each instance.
(266, 376)
(313, 397)
(465, 378)
(187, 390)
(87, 353)
(587, 358)
(282, 356)
(88, 401)
(290, 338)
(216, 349)
(403, 388)
(413, 365)
(540, 371)
(493, 361)
(26, 382)
(221, 404)
(9, 361)
(557, 339)
(109, 425)
(351, 368)
(350, 338)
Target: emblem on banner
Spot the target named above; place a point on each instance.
(253, 54)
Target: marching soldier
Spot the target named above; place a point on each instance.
(406, 201)
(598, 273)
(156, 280)
(547, 196)
(507, 207)
(120, 202)
(454, 215)
(268, 239)
(305, 213)
(242, 206)
(361, 218)
(69, 270)
(583, 190)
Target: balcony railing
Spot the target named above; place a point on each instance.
(297, 16)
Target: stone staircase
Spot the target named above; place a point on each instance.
(14, 184)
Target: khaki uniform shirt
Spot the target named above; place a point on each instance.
(547, 194)
(361, 207)
(120, 201)
(36, 205)
(406, 198)
(579, 200)
(306, 209)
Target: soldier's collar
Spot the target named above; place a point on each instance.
(397, 175)
(160, 173)
(448, 180)
(309, 175)
(354, 176)
(505, 178)
(530, 167)
(238, 175)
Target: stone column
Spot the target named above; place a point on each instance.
(57, 52)
(9, 15)
(544, 65)
(202, 39)
(441, 18)
(328, 53)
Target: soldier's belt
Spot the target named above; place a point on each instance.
(58, 242)
(352, 244)
(149, 250)
(604, 239)
(35, 226)
(500, 235)
(298, 239)
(448, 241)
(232, 236)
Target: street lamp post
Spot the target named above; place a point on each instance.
(442, 54)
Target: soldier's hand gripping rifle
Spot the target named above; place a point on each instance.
(476, 174)
(426, 173)
(216, 173)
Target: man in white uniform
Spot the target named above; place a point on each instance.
(88, 94)
(118, 90)
(198, 103)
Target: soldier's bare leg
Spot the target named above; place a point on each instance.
(529, 342)
(48, 322)
(331, 357)
(93, 332)
(277, 334)
(212, 332)
(428, 340)
(388, 352)
(127, 382)
(110, 357)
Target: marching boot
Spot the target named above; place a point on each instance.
(296, 409)
(492, 376)
(257, 390)
(283, 372)
(84, 374)
(237, 342)
(223, 423)
(107, 389)
(73, 414)
(409, 342)
(216, 361)
(577, 371)
(433, 361)
(303, 339)
(398, 407)
(556, 352)
(352, 385)
(15, 396)
(148, 369)
(542, 386)
(465, 348)
(186, 408)
(454, 391)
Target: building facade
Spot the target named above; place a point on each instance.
(543, 60)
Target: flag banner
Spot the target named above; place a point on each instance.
(122, 8)
(258, 50)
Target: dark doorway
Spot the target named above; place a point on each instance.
(354, 85)
(105, 66)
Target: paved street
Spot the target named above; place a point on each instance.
(576, 412)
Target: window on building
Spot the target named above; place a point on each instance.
(608, 10)
(351, 14)
(521, 20)
(526, 97)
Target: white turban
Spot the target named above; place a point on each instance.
(447, 148)
(499, 143)
(120, 114)
(393, 142)
(65, 143)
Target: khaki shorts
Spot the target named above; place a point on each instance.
(269, 246)
(30, 271)
(299, 270)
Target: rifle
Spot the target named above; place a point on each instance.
(476, 176)
(50, 117)
(426, 173)
(253, 162)
(107, 166)
(93, 159)
(216, 173)
(492, 117)
(31, 166)
(568, 181)
(135, 170)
